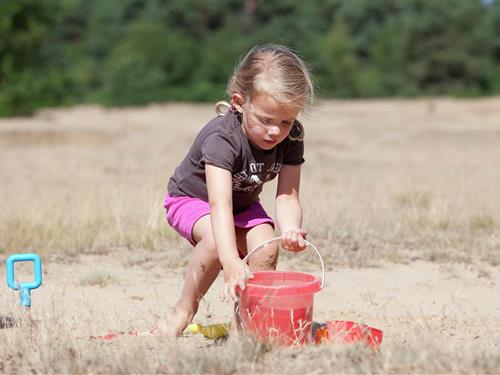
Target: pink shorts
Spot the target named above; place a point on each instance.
(183, 213)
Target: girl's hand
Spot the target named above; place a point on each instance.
(293, 239)
(236, 273)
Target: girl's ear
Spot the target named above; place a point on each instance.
(237, 101)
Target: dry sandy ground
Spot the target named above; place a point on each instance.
(453, 301)
(401, 197)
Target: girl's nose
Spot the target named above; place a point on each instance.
(274, 131)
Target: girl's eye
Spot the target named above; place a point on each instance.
(266, 121)
(269, 121)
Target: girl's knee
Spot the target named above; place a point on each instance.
(209, 247)
(265, 259)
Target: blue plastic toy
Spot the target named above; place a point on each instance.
(24, 288)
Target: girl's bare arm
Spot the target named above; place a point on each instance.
(288, 208)
(220, 196)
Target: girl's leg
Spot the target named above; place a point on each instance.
(264, 259)
(202, 270)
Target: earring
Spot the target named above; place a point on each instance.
(220, 105)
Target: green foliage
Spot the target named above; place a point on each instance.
(445, 54)
(32, 89)
(33, 70)
(146, 63)
(387, 59)
(134, 52)
(339, 62)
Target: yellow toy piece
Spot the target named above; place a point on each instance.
(211, 331)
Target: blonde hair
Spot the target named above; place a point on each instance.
(275, 70)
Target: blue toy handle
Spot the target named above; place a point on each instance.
(24, 288)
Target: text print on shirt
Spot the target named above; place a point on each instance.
(248, 182)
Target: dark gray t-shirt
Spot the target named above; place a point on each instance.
(223, 144)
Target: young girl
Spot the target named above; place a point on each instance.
(213, 196)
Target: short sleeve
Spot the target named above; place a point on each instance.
(294, 153)
(218, 150)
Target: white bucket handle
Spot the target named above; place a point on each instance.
(266, 243)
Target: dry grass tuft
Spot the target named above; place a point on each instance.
(482, 221)
(100, 278)
(412, 199)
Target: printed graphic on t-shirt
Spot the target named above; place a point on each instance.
(256, 175)
(223, 144)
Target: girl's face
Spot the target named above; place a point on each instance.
(267, 122)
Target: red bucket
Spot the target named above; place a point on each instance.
(277, 306)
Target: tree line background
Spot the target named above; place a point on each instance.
(133, 52)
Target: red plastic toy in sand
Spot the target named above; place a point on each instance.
(113, 335)
(346, 332)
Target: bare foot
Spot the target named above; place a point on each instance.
(174, 324)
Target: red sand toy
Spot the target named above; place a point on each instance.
(345, 332)
(113, 335)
